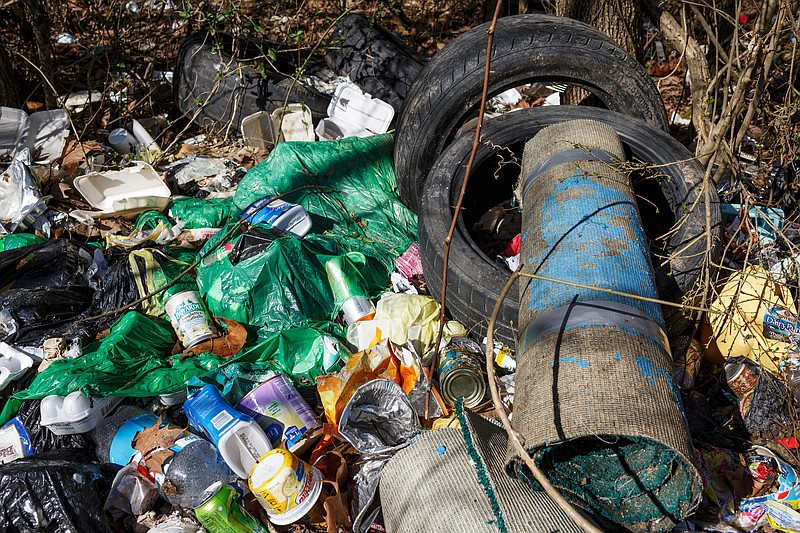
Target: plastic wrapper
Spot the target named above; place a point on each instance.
(54, 491)
(378, 418)
(752, 490)
(132, 491)
(350, 193)
(364, 505)
(282, 287)
(19, 193)
(382, 361)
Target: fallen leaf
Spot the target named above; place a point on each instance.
(225, 344)
(75, 153)
(155, 461)
(156, 437)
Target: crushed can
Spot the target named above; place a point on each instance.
(219, 512)
(460, 372)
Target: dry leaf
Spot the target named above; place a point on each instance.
(155, 460)
(226, 345)
(155, 437)
(75, 153)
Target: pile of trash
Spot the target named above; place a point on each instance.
(187, 344)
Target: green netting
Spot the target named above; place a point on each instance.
(625, 480)
(134, 360)
(355, 202)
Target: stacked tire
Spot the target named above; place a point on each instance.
(430, 160)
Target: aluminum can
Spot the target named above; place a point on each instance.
(460, 372)
(219, 512)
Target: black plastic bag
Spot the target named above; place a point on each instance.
(54, 491)
(53, 263)
(28, 316)
(118, 287)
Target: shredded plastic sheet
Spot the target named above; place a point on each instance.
(351, 195)
(134, 360)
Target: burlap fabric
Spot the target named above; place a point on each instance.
(595, 402)
(454, 479)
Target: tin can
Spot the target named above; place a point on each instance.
(741, 379)
(280, 411)
(286, 486)
(460, 372)
(189, 317)
(219, 512)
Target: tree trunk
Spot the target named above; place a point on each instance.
(39, 20)
(10, 93)
(619, 19)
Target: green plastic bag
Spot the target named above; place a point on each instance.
(196, 213)
(300, 354)
(129, 354)
(134, 360)
(283, 287)
(350, 193)
(19, 240)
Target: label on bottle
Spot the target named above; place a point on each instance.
(780, 324)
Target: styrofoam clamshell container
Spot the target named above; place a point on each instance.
(354, 113)
(293, 123)
(135, 188)
(258, 130)
(74, 413)
(44, 133)
(13, 364)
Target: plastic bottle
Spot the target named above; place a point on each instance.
(192, 470)
(348, 289)
(239, 438)
(194, 466)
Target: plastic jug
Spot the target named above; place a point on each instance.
(239, 438)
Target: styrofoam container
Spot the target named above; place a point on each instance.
(74, 413)
(128, 191)
(354, 113)
(44, 133)
(258, 130)
(13, 364)
(294, 123)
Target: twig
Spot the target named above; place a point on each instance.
(513, 437)
(457, 210)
